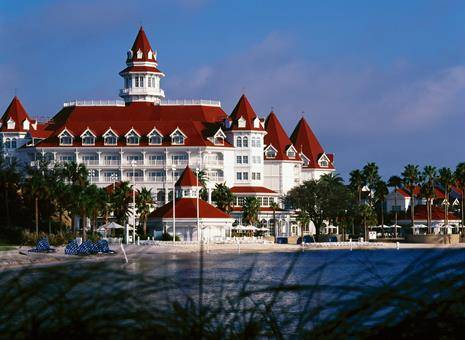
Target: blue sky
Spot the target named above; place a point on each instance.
(380, 81)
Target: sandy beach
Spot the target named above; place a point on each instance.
(21, 257)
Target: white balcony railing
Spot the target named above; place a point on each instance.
(204, 102)
(142, 91)
(94, 103)
(136, 162)
(90, 161)
(156, 162)
(157, 179)
(179, 162)
(111, 162)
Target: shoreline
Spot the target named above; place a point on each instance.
(19, 257)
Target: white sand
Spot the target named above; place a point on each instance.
(20, 257)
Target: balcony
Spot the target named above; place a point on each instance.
(156, 179)
(90, 162)
(137, 179)
(214, 163)
(179, 162)
(111, 162)
(157, 162)
(137, 162)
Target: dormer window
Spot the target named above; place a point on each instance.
(139, 54)
(155, 137)
(66, 138)
(26, 124)
(150, 55)
(88, 138)
(110, 138)
(241, 123)
(323, 161)
(177, 137)
(256, 123)
(271, 152)
(132, 138)
(305, 159)
(130, 54)
(218, 137)
(10, 124)
(291, 153)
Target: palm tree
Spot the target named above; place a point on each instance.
(395, 182)
(356, 182)
(83, 201)
(250, 210)
(446, 179)
(410, 177)
(203, 179)
(427, 190)
(9, 179)
(144, 201)
(223, 197)
(274, 206)
(331, 179)
(460, 177)
(75, 174)
(371, 175)
(303, 219)
(381, 192)
(121, 199)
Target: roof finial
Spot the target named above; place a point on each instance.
(243, 89)
(16, 91)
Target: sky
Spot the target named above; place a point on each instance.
(378, 81)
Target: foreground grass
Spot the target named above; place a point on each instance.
(425, 300)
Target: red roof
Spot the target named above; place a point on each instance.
(187, 179)
(18, 114)
(437, 213)
(197, 122)
(251, 189)
(244, 109)
(141, 44)
(277, 137)
(187, 208)
(263, 209)
(306, 142)
(136, 69)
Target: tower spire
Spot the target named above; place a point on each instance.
(141, 76)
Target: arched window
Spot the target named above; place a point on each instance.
(239, 142)
(245, 142)
(270, 153)
(13, 143)
(7, 143)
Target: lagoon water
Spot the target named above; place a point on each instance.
(328, 267)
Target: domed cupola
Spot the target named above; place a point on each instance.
(141, 76)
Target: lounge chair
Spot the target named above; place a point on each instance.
(87, 248)
(72, 248)
(42, 247)
(103, 247)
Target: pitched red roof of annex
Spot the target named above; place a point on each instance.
(187, 208)
(251, 189)
(187, 179)
(277, 137)
(244, 109)
(306, 142)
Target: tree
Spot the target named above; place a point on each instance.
(410, 177)
(446, 179)
(144, 201)
(203, 179)
(9, 179)
(368, 217)
(395, 182)
(274, 207)
(223, 197)
(320, 199)
(356, 183)
(429, 176)
(371, 175)
(121, 198)
(381, 192)
(250, 210)
(460, 177)
(303, 219)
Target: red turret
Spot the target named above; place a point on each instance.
(188, 179)
(14, 117)
(243, 117)
(306, 142)
(277, 138)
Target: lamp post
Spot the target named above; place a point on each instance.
(91, 174)
(133, 165)
(113, 178)
(174, 205)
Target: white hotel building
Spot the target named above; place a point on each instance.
(156, 138)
